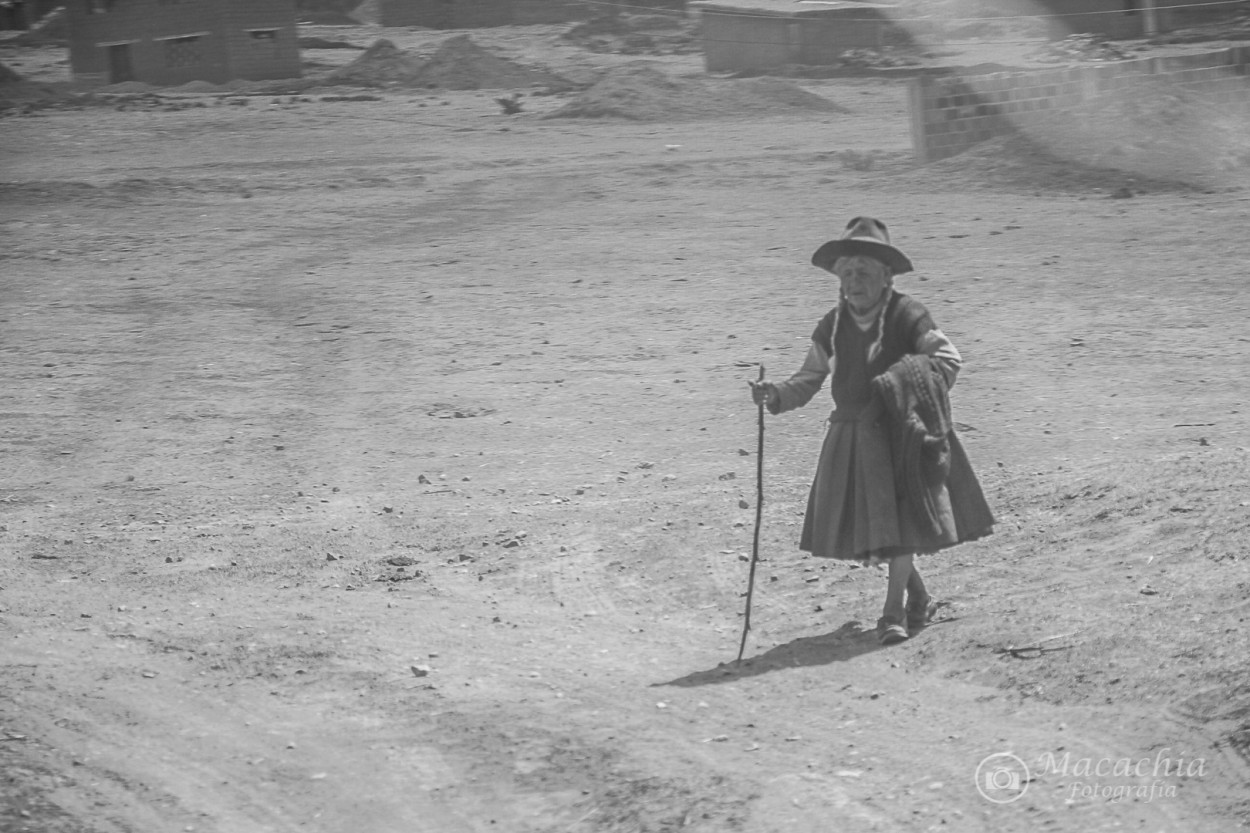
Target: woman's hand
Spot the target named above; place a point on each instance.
(764, 393)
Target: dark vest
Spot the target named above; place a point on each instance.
(904, 322)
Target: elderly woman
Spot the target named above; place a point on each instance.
(892, 480)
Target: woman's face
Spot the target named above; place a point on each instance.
(864, 280)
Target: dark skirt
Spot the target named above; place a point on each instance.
(854, 510)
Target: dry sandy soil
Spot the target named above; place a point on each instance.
(389, 466)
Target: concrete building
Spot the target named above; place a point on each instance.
(763, 34)
(176, 41)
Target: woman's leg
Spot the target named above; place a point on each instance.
(916, 593)
(920, 605)
(901, 571)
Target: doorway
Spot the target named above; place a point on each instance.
(120, 67)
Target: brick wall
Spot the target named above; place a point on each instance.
(949, 114)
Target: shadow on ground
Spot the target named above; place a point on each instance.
(848, 641)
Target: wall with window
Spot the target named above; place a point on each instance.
(160, 41)
(261, 39)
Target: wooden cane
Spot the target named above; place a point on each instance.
(759, 512)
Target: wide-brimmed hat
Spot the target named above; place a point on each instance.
(863, 236)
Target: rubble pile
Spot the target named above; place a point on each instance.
(458, 64)
(1081, 47)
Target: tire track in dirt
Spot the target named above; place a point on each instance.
(246, 757)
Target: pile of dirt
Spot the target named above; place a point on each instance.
(381, 65)
(640, 91)
(458, 64)
(126, 87)
(876, 58)
(199, 87)
(1080, 48)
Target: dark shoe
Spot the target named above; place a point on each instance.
(921, 613)
(890, 633)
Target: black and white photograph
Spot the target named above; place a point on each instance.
(573, 416)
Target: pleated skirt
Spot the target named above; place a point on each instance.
(853, 510)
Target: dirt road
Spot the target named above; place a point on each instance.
(388, 466)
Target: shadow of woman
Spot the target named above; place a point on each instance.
(850, 640)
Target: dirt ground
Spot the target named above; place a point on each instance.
(388, 465)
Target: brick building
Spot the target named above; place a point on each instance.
(175, 41)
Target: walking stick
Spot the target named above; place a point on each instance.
(759, 511)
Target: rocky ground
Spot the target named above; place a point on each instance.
(377, 460)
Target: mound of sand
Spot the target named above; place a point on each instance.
(642, 92)
(458, 64)
(1081, 47)
(199, 87)
(381, 65)
(126, 87)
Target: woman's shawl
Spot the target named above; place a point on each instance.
(932, 474)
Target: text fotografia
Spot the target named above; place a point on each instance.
(1114, 793)
(1102, 778)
